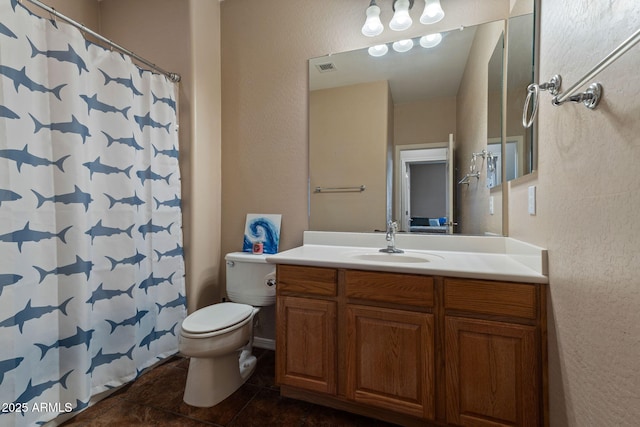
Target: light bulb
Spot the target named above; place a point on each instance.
(430, 40)
(401, 19)
(378, 50)
(432, 12)
(372, 26)
(403, 45)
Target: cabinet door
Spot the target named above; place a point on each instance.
(491, 371)
(306, 343)
(390, 359)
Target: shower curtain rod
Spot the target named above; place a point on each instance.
(174, 77)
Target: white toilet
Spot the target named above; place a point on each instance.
(218, 338)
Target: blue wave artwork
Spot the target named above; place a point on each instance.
(92, 275)
(262, 228)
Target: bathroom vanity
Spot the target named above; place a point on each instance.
(411, 338)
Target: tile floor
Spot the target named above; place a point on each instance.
(155, 399)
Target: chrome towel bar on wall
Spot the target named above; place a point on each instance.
(340, 189)
(590, 97)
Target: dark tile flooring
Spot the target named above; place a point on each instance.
(155, 399)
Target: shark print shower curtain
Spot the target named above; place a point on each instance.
(91, 262)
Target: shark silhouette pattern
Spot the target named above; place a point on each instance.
(169, 153)
(8, 279)
(74, 126)
(80, 266)
(151, 228)
(23, 156)
(133, 200)
(68, 55)
(106, 358)
(146, 120)
(155, 281)
(177, 251)
(20, 78)
(94, 104)
(170, 102)
(30, 313)
(133, 260)
(105, 294)
(131, 321)
(6, 112)
(148, 174)
(154, 336)
(9, 365)
(97, 167)
(81, 337)
(6, 31)
(100, 230)
(130, 142)
(33, 391)
(80, 122)
(27, 234)
(172, 203)
(78, 197)
(128, 83)
(80, 405)
(180, 301)
(8, 196)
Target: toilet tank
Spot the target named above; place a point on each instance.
(250, 279)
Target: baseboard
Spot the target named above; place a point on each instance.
(266, 343)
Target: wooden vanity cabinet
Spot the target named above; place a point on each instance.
(494, 346)
(413, 349)
(390, 341)
(306, 336)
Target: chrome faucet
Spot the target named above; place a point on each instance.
(392, 228)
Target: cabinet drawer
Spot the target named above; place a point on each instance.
(406, 289)
(496, 298)
(307, 280)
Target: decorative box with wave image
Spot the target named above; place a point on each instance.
(262, 233)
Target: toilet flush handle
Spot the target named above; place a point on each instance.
(271, 282)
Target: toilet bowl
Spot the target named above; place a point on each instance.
(219, 338)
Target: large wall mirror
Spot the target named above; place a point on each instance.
(393, 137)
(520, 144)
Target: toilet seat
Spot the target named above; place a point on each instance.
(216, 317)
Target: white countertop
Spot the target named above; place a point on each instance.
(475, 257)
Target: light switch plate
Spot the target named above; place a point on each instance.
(532, 200)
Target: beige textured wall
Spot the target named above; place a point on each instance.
(85, 12)
(588, 204)
(348, 129)
(204, 264)
(424, 121)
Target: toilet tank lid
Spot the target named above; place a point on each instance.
(246, 257)
(216, 317)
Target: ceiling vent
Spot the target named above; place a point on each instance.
(326, 67)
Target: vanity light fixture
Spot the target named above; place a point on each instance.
(378, 50)
(372, 26)
(401, 20)
(430, 40)
(432, 12)
(403, 45)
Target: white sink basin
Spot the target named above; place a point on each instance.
(404, 258)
